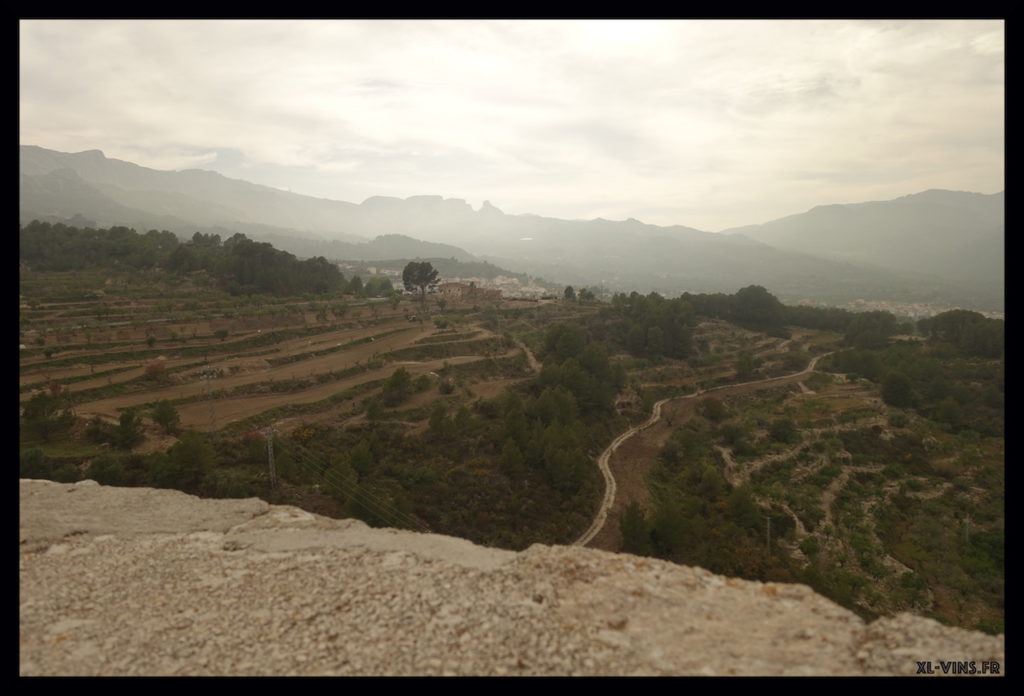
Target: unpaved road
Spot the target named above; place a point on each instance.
(633, 461)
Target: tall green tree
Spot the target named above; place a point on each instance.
(757, 308)
(897, 390)
(419, 275)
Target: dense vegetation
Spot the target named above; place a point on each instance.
(648, 326)
(699, 518)
(883, 505)
(508, 471)
(752, 307)
(953, 379)
(505, 472)
(240, 264)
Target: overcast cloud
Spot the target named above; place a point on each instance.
(709, 124)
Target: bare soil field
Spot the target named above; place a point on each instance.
(248, 366)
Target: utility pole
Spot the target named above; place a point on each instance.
(207, 376)
(269, 433)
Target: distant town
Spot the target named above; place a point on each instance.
(510, 287)
(913, 310)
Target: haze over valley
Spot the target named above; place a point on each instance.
(698, 322)
(937, 248)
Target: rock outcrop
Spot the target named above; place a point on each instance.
(130, 581)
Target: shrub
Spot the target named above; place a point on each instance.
(714, 409)
(898, 420)
(397, 388)
(156, 372)
(810, 545)
(46, 416)
(784, 430)
(107, 470)
(128, 432)
(166, 416)
(33, 464)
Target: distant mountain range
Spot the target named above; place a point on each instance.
(952, 234)
(939, 247)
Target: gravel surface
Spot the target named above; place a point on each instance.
(274, 590)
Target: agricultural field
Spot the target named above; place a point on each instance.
(341, 382)
(770, 457)
(821, 481)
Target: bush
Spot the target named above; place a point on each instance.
(186, 464)
(714, 409)
(33, 464)
(107, 470)
(156, 372)
(128, 432)
(166, 416)
(45, 417)
(784, 430)
(98, 431)
(397, 388)
(897, 391)
(810, 545)
(898, 420)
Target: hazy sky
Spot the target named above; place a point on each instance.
(709, 124)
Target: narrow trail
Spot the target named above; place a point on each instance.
(601, 518)
(609, 480)
(530, 357)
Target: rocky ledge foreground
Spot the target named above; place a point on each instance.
(135, 581)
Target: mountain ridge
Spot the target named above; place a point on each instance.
(624, 255)
(936, 231)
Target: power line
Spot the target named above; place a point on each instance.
(269, 433)
(367, 499)
(313, 464)
(207, 376)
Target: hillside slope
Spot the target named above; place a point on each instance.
(955, 234)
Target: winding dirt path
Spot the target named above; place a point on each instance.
(530, 357)
(609, 480)
(635, 462)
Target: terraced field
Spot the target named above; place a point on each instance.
(303, 359)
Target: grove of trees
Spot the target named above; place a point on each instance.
(241, 265)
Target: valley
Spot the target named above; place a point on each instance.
(475, 421)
